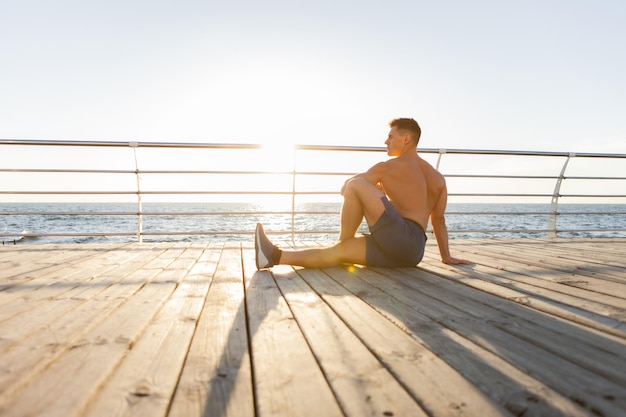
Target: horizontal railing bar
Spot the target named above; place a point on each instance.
(533, 213)
(578, 213)
(11, 236)
(69, 192)
(592, 195)
(497, 195)
(173, 172)
(530, 213)
(524, 177)
(213, 172)
(465, 151)
(594, 178)
(302, 193)
(160, 213)
(170, 172)
(530, 230)
(495, 231)
(537, 195)
(67, 171)
(530, 177)
(141, 172)
(125, 144)
(17, 192)
(68, 213)
(301, 173)
(589, 230)
(101, 234)
(304, 232)
(282, 213)
(167, 192)
(141, 144)
(480, 176)
(161, 192)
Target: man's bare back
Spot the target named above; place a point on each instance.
(412, 185)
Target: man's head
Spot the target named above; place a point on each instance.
(407, 126)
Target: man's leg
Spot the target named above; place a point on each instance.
(361, 198)
(350, 250)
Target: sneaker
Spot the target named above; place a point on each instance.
(263, 248)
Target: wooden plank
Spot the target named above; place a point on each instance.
(8, 252)
(560, 334)
(585, 254)
(585, 261)
(539, 278)
(602, 252)
(37, 261)
(287, 378)
(27, 258)
(497, 378)
(610, 248)
(439, 389)
(63, 283)
(607, 282)
(72, 318)
(217, 379)
(464, 310)
(362, 385)
(568, 281)
(145, 381)
(64, 386)
(598, 288)
(602, 313)
(51, 300)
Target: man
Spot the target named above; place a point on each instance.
(396, 197)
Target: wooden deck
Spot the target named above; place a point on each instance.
(533, 328)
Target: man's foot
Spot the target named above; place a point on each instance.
(263, 248)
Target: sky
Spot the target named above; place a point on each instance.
(486, 74)
(483, 74)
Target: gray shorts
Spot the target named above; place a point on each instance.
(394, 241)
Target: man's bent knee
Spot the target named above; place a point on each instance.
(361, 186)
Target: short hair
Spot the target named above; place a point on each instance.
(409, 125)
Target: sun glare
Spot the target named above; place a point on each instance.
(280, 157)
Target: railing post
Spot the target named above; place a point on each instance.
(442, 152)
(552, 220)
(293, 197)
(134, 145)
(429, 230)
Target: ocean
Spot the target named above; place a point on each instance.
(190, 220)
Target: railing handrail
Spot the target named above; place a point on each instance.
(336, 148)
(553, 213)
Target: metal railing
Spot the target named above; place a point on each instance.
(293, 168)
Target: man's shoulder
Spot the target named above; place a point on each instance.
(428, 168)
(380, 166)
(433, 177)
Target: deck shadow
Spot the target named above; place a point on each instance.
(466, 327)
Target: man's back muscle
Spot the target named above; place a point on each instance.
(412, 185)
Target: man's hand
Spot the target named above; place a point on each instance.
(455, 261)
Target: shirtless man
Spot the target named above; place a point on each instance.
(396, 197)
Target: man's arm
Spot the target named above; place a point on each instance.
(438, 220)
